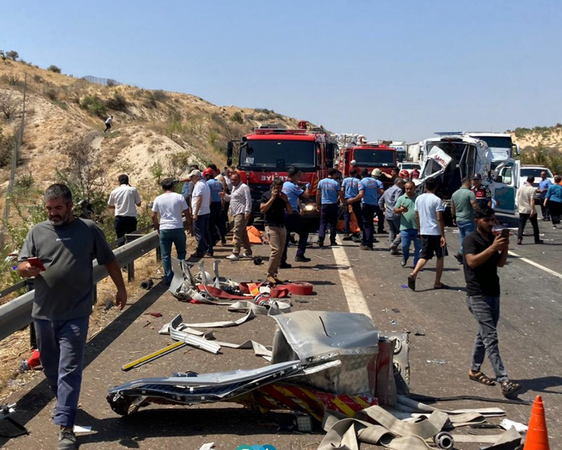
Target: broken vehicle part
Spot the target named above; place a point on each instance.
(153, 356)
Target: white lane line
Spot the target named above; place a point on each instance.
(533, 263)
(353, 294)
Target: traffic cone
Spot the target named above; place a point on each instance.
(537, 435)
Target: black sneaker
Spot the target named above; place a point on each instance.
(301, 258)
(285, 265)
(347, 237)
(333, 243)
(320, 243)
(403, 262)
(539, 241)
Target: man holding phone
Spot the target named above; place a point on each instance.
(483, 254)
(65, 246)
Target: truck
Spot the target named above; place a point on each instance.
(400, 147)
(268, 152)
(450, 158)
(375, 155)
(510, 176)
(500, 144)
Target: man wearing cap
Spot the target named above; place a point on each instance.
(170, 206)
(482, 193)
(216, 222)
(201, 214)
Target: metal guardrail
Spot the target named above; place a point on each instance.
(16, 314)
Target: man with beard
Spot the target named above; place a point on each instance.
(59, 254)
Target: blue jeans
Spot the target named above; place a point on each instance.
(167, 237)
(464, 229)
(202, 230)
(486, 310)
(61, 344)
(407, 237)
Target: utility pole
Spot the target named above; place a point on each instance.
(15, 154)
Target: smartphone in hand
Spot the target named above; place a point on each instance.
(505, 233)
(36, 262)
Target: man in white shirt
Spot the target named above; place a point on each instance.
(241, 210)
(170, 206)
(526, 206)
(108, 123)
(201, 214)
(124, 201)
(429, 216)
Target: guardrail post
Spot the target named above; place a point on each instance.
(131, 265)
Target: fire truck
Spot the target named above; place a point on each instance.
(370, 156)
(269, 151)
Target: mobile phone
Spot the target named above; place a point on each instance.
(505, 233)
(36, 262)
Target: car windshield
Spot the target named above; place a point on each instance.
(374, 157)
(278, 154)
(534, 172)
(496, 141)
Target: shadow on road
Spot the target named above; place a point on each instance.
(542, 385)
(38, 397)
(174, 422)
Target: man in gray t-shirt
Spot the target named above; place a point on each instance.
(65, 246)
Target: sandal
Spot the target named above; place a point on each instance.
(480, 377)
(443, 286)
(412, 283)
(509, 389)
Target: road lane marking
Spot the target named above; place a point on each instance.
(353, 294)
(533, 263)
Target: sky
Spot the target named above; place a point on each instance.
(398, 70)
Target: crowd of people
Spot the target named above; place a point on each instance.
(211, 202)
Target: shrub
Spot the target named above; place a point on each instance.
(38, 78)
(8, 105)
(54, 68)
(237, 117)
(11, 79)
(51, 94)
(159, 95)
(13, 55)
(94, 105)
(117, 103)
(6, 147)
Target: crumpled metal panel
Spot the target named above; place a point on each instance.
(314, 336)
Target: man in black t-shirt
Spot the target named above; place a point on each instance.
(273, 206)
(484, 253)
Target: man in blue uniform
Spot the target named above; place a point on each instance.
(327, 196)
(350, 188)
(294, 221)
(369, 191)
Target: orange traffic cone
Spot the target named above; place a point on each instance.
(537, 436)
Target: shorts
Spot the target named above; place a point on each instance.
(431, 244)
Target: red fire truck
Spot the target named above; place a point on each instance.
(269, 151)
(369, 156)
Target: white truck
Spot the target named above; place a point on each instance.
(500, 144)
(510, 176)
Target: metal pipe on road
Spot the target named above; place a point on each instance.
(16, 314)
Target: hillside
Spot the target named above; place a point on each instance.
(155, 133)
(550, 137)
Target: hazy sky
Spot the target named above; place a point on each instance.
(387, 69)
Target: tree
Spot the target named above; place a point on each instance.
(54, 68)
(13, 55)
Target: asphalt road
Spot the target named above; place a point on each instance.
(530, 334)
